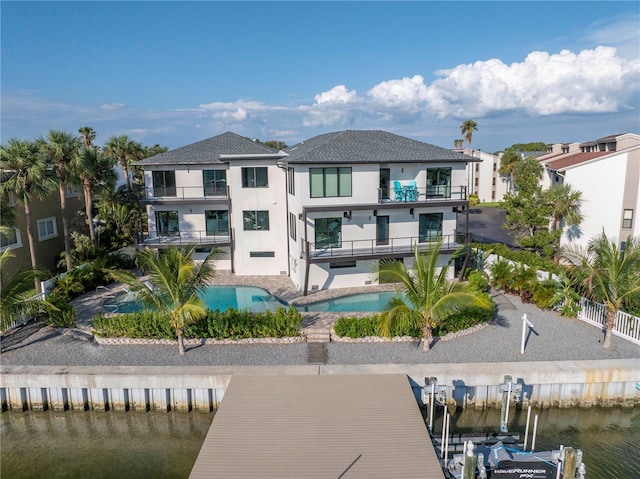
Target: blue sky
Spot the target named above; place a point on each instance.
(176, 72)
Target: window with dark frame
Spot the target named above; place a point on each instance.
(262, 254)
(215, 182)
(627, 219)
(328, 232)
(292, 226)
(329, 182)
(291, 184)
(255, 220)
(164, 183)
(255, 177)
(429, 227)
(217, 222)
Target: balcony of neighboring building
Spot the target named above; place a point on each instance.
(162, 239)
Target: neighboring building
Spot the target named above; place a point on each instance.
(46, 225)
(487, 183)
(323, 212)
(607, 172)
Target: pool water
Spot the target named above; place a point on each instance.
(256, 300)
(373, 302)
(259, 300)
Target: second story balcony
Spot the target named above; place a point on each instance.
(182, 194)
(409, 192)
(162, 238)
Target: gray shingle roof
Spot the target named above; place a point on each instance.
(208, 151)
(371, 146)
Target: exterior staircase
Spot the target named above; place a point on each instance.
(317, 335)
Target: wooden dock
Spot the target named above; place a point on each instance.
(342, 426)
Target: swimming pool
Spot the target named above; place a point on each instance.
(251, 298)
(259, 300)
(369, 302)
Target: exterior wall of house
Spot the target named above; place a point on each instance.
(602, 183)
(248, 244)
(49, 247)
(358, 226)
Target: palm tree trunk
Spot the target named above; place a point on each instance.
(125, 170)
(32, 249)
(65, 226)
(88, 206)
(610, 323)
(180, 341)
(427, 337)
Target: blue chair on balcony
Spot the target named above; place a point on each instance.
(398, 191)
(411, 191)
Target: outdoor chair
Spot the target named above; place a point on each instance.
(398, 191)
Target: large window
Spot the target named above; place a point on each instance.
(217, 222)
(47, 228)
(255, 177)
(329, 182)
(215, 182)
(255, 220)
(328, 232)
(167, 223)
(439, 182)
(429, 227)
(10, 240)
(164, 183)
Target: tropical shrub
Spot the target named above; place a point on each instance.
(501, 274)
(529, 258)
(59, 313)
(479, 280)
(544, 292)
(229, 324)
(465, 318)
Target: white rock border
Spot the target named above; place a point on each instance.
(197, 342)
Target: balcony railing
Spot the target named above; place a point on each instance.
(377, 247)
(183, 192)
(412, 194)
(185, 238)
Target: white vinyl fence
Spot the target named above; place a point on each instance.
(22, 320)
(627, 326)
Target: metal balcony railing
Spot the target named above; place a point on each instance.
(183, 192)
(413, 194)
(185, 238)
(377, 247)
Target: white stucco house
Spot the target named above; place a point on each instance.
(323, 212)
(607, 172)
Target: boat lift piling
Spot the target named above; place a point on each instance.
(508, 389)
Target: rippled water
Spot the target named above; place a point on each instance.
(165, 445)
(608, 437)
(76, 444)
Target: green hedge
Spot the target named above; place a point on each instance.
(230, 324)
(360, 327)
(520, 256)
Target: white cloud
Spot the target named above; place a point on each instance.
(620, 32)
(337, 106)
(112, 106)
(400, 100)
(592, 81)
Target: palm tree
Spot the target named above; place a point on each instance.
(95, 170)
(467, 128)
(175, 280)
(87, 135)
(508, 164)
(125, 151)
(16, 292)
(458, 143)
(606, 274)
(27, 178)
(60, 148)
(566, 205)
(430, 297)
